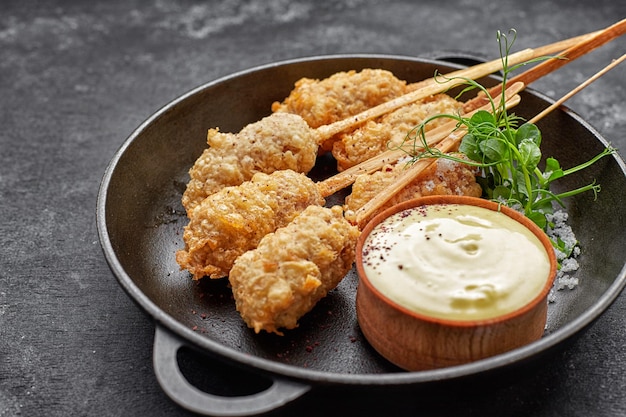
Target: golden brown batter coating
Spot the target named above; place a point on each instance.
(343, 94)
(374, 136)
(235, 219)
(444, 177)
(277, 142)
(282, 279)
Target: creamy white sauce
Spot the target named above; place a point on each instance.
(457, 262)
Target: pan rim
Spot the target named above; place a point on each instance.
(268, 366)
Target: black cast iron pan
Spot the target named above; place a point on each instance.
(140, 221)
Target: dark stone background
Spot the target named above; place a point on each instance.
(76, 78)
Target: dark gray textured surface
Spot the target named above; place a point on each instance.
(76, 78)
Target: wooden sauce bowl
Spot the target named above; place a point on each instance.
(415, 341)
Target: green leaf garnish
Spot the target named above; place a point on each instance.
(507, 155)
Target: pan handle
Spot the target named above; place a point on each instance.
(176, 386)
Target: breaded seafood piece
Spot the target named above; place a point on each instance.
(375, 136)
(277, 142)
(232, 221)
(343, 94)
(293, 268)
(444, 177)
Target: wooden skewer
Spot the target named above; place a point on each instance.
(577, 89)
(365, 213)
(341, 180)
(564, 44)
(575, 51)
(434, 85)
(427, 88)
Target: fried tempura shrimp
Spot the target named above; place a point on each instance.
(343, 94)
(282, 279)
(277, 142)
(443, 177)
(235, 219)
(375, 136)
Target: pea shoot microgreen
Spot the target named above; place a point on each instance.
(506, 148)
